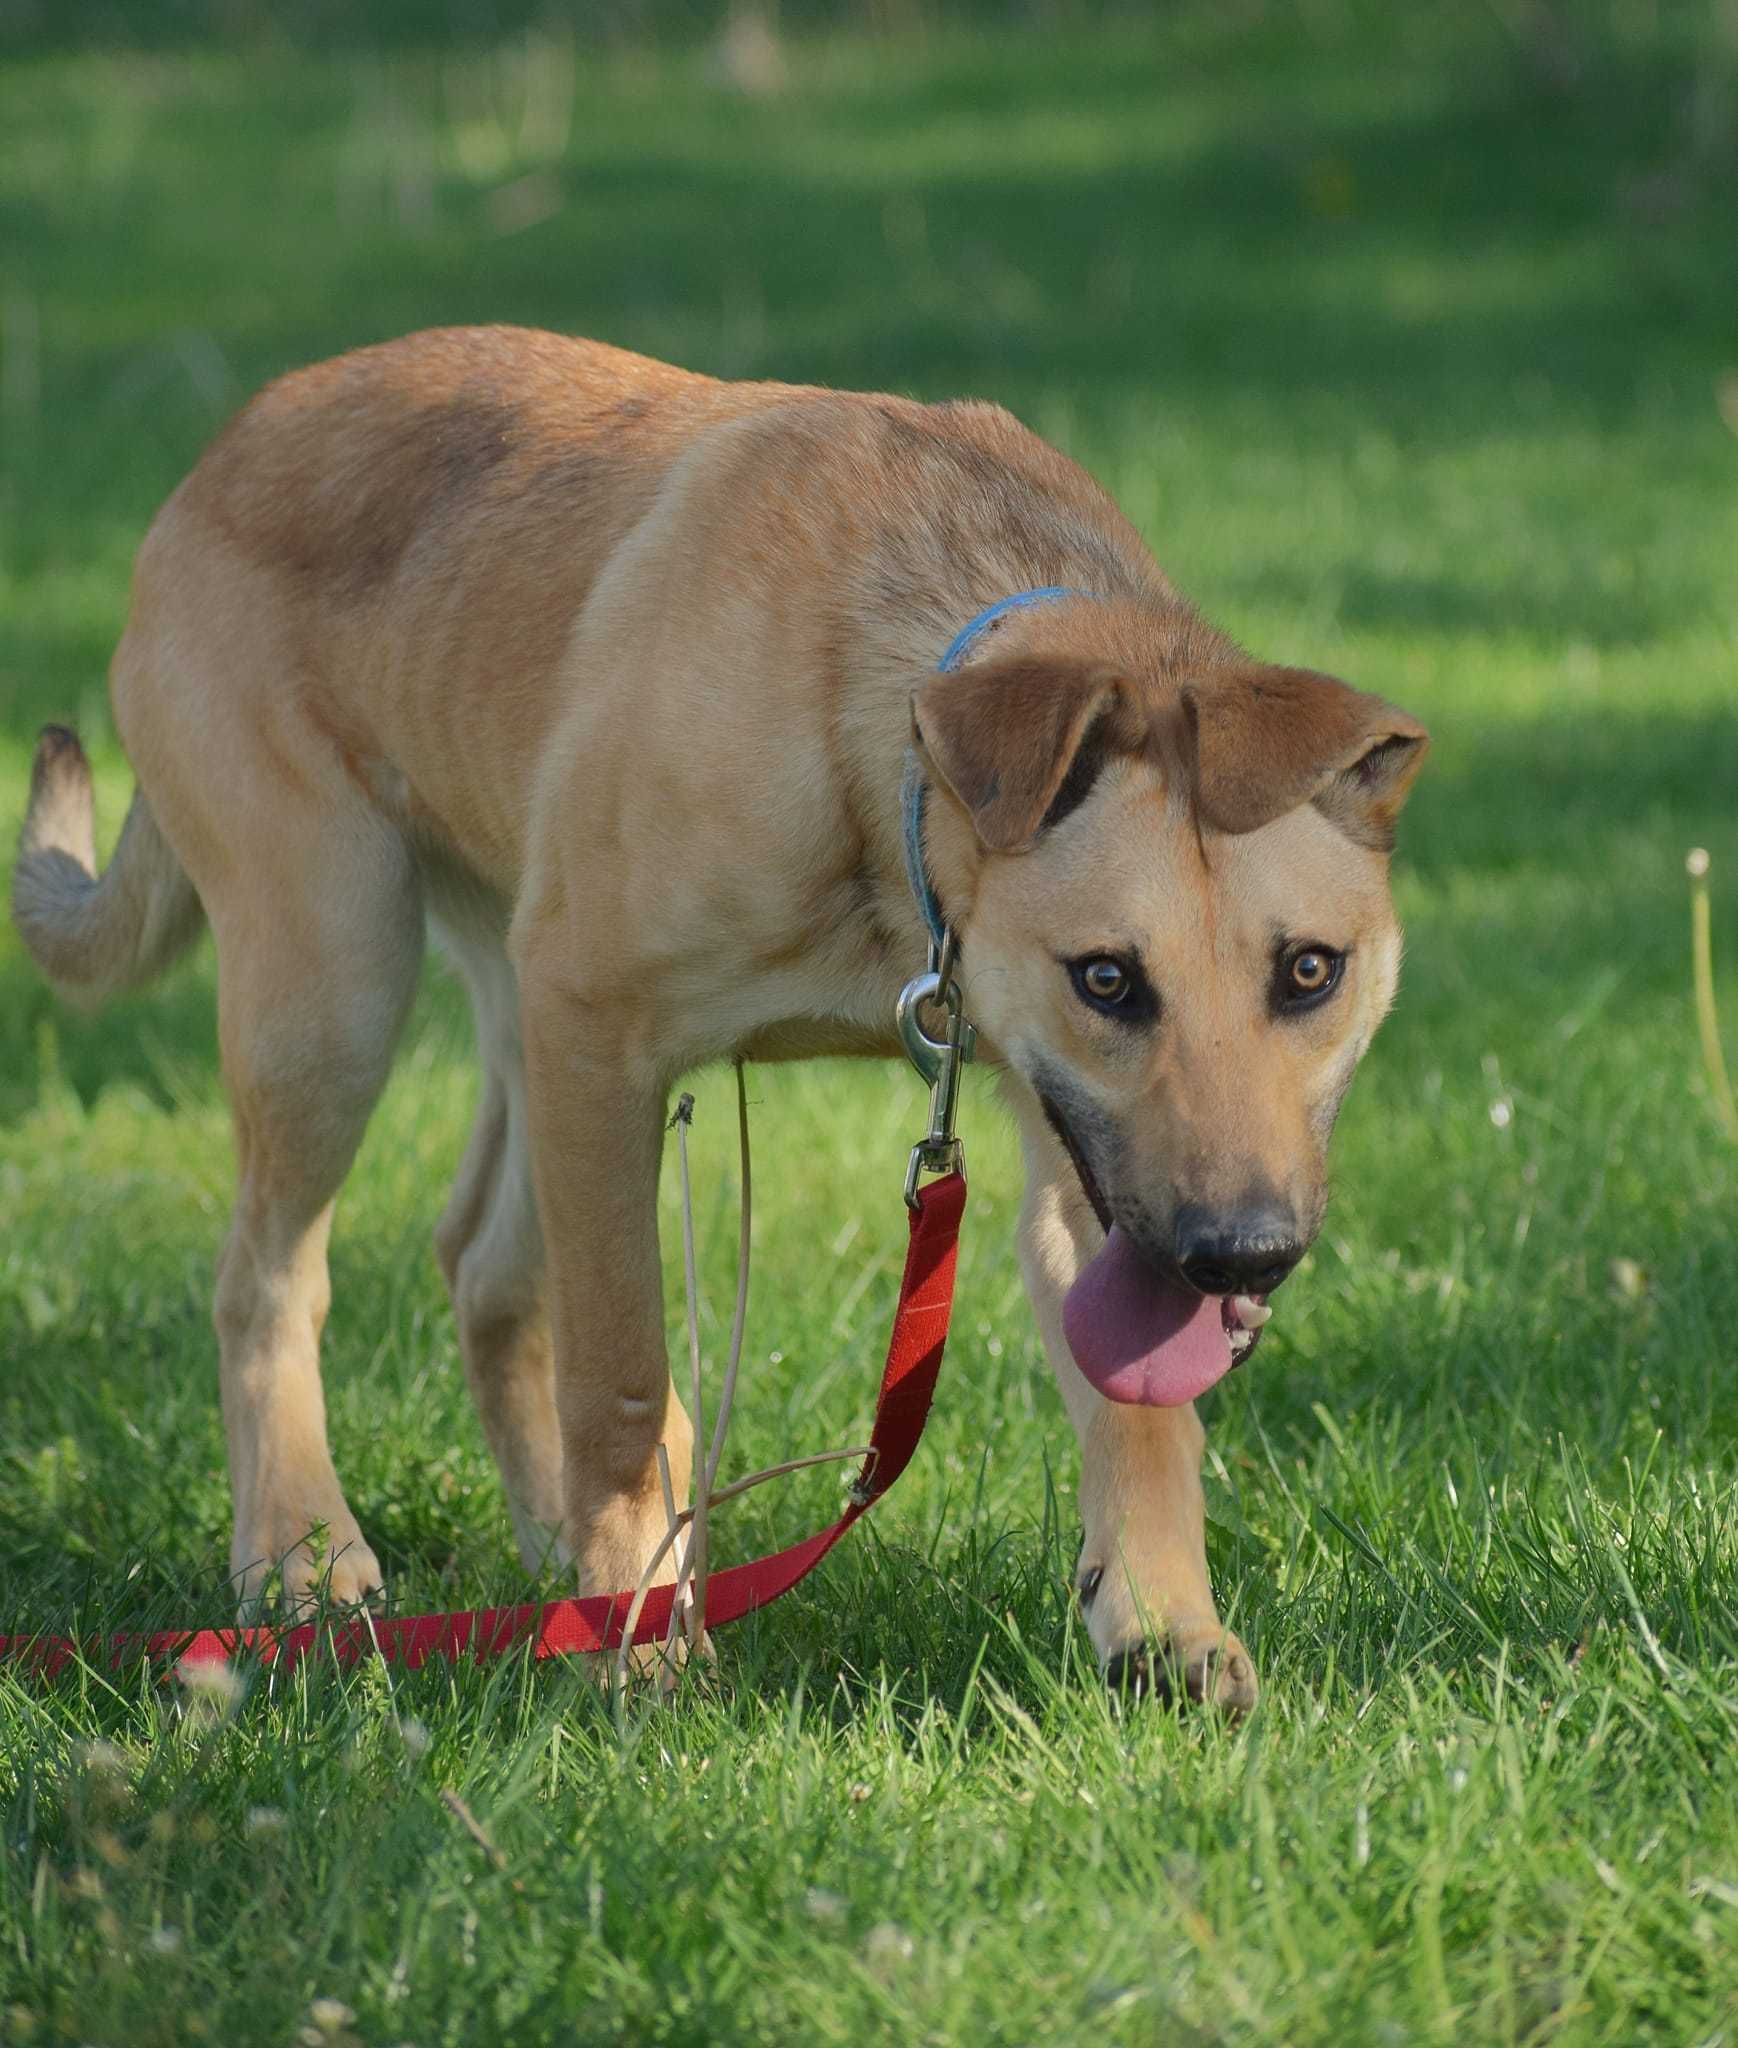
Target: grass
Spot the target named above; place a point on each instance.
(1402, 334)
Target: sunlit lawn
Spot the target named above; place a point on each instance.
(1408, 360)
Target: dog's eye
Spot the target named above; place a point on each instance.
(1113, 987)
(1307, 974)
(1104, 980)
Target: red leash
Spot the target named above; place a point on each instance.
(561, 1627)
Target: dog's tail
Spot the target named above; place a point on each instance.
(94, 934)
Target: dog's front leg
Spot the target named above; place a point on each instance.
(596, 1120)
(1143, 1565)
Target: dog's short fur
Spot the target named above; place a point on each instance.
(607, 672)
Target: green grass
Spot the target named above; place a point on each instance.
(1400, 332)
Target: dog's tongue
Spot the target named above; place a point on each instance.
(1139, 1338)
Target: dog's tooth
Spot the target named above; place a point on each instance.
(1250, 1312)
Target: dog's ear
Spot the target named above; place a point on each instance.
(1268, 739)
(1020, 742)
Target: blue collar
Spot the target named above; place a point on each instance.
(914, 792)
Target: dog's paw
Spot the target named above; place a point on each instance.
(327, 1567)
(1201, 1667)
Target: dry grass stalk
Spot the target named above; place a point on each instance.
(1707, 1011)
(473, 1827)
(692, 1577)
(688, 1604)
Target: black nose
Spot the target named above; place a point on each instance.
(1248, 1251)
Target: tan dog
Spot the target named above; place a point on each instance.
(609, 673)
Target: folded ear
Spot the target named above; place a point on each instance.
(1268, 739)
(1019, 742)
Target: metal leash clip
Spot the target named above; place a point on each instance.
(939, 1060)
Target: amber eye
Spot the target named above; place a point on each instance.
(1308, 974)
(1114, 987)
(1106, 981)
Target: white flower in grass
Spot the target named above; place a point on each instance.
(886, 1946)
(1629, 1279)
(413, 1734)
(265, 1820)
(105, 1773)
(212, 1687)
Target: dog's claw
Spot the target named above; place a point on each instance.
(1218, 1674)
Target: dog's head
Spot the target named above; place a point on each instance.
(1179, 932)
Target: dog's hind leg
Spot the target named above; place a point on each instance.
(490, 1249)
(316, 968)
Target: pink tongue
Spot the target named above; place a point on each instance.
(1139, 1338)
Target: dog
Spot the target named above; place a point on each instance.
(609, 675)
